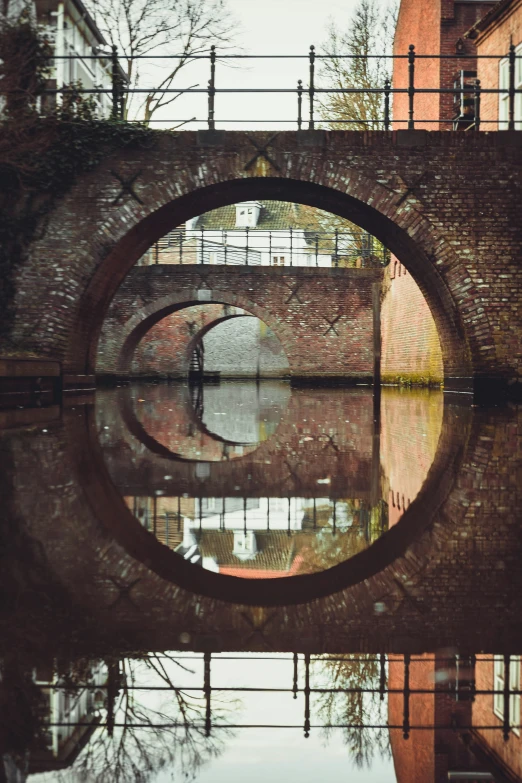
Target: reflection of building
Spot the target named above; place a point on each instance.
(70, 716)
(460, 717)
(275, 537)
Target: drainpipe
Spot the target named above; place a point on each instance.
(60, 48)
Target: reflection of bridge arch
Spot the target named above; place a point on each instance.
(198, 337)
(199, 433)
(296, 589)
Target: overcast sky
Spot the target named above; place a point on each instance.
(269, 27)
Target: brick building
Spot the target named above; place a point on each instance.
(492, 35)
(436, 27)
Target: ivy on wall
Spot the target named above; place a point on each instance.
(41, 156)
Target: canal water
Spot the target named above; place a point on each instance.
(250, 581)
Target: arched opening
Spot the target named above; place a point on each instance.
(413, 254)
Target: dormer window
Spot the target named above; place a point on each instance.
(247, 214)
(245, 545)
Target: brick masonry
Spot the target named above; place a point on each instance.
(434, 27)
(235, 344)
(322, 318)
(410, 347)
(446, 204)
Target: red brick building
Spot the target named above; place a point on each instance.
(435, 27)
(493, 35)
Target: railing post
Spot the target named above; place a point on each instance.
(387, 90)
(406, 693)
(115, 113)
(506, 727)
(411, 86)
(307, 696)
(269, 248)
(291, 248)
(212, 89)
(202, 246)
(317, 249)
(225, 239)
(336, 256)
(246, 258)
(296, 681)
(207, 689)
(511, 98)
(299, 104)
(476, 101)
(311, 88)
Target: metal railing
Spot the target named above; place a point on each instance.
(263, 247)
(302, 683)
(471, 92)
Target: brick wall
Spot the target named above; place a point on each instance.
(322, 318)
(410, 347)
(434, 27)
(163, 351)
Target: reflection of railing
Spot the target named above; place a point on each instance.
(353, 248)
(302, 682)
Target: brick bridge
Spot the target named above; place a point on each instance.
(324, 318)
(446, 204)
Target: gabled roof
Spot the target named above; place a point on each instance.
(274, 215)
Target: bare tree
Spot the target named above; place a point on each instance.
(161, 27)
(358, 60)
(352, 708)
(142, 736)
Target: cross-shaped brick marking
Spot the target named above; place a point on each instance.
(410, 189)
(125, 590)
(262, 152)
(126, 188)
(294, 292)
(257, 628)
(332, 322)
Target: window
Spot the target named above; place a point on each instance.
(514, 685)
(278, 260)
(503, 83)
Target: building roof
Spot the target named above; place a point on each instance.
(276, 550)
(491, 16)
(274, 215)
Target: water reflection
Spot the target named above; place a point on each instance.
(334, 468)
(114, 669)
(431, 718)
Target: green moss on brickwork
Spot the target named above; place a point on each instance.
(412, 379)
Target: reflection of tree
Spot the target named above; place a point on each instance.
(356, 527)
(352, 708)
(147, 731)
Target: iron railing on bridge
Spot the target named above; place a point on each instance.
(263, 247)
(467, 91)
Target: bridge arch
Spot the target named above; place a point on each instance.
(407, 190)
(134, 330)
(417, 247)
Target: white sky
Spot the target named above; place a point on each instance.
(264, 27)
